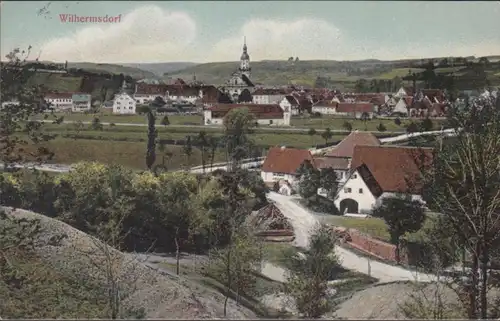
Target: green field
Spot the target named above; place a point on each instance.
(374, 226)
(334, 123)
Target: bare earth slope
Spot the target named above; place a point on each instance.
(160, 295)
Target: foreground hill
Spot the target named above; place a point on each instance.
(339, 74)
(65, 277)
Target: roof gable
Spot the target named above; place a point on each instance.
(286, 160)
(346, 147)
(395, 169)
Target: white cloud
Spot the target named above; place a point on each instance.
(151, 34)
(272, 39)
(145, 34)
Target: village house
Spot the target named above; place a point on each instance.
(325, 107)
(281, 165)
(183, 93)
(272, 115)
(291, 103)
(81, 102)
(340, 156)
(378, 172)
(146, 93)
(268, 95)
(124, 104)
(356, 110)
(402, 108)
(59, 101)
(404, 91)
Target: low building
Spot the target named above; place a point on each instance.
(402, 107)
(378, 172)
(340, 156)
(325, 107)
(281, 164)
(356, 110)
(124, 104)
(268, 95)
(60, 101)
(272, 115)
(291, 103)
(81, 102)
(146, 93)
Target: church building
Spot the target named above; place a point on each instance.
(240, 79)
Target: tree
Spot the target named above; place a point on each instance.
(188, 149)
(309, 180)
(213, 145)
(463, 187)
(78, 126)
(165, 121)
(361, 86)
(412, 128)
(311, 132)
(329, 181)
(96, 124)
(381, 127)
(365, 118)
(347, 126)
(307, 283)
(327, 135)
(20, 102)
(397, 121)
(426, 125)
(158, 102)
(202, 144)
(151, 145)
(402, 215)
(238, 125)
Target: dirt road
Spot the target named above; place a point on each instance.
(303, 222)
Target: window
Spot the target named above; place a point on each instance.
(130, 108)
(360, 191)
(270, 122)
(354, 176)
(347, 190)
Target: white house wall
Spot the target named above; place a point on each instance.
(359, 192)
(124, 104)
(324, 110)
(270, 177)
(401, 107)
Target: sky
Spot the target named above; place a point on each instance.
(212, 31)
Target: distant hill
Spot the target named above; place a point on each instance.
(340, 74)
(160, 68)
(133, 72)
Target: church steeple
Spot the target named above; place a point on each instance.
(245, 60)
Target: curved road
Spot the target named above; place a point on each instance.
(304, 222)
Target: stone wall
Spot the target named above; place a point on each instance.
(370, 245)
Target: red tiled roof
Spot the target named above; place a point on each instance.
(150, 89)
(393, 168)
(327, 104)
(346, 147)
(355, 107)
(292, 100)
(260, 111)
(286, 160)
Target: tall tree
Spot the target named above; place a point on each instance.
(188, 150)
(238, 125)
(329, 181)
(203, 145)
(21, 101)
(307, 283)
(463, 187)
(309, 180)
(327, 135)
(151, 145)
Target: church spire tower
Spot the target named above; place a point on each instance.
(245, 60)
